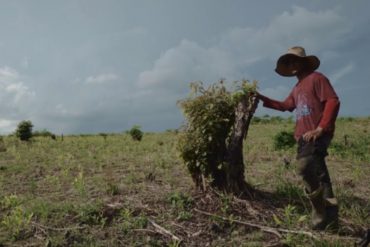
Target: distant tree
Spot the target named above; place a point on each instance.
(43, 133)
(276, 119)
(104, 135)
(24, 130)
(136, 133)
(256, 119)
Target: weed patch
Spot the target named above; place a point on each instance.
(93, 190)
(17, 223)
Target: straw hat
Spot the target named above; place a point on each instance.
(296, 53)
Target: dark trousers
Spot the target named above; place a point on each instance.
(313, 170)
(312, 167)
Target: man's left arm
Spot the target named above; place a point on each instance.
(326, 124)
(330, 114)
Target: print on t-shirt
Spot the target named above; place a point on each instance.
(302, 108)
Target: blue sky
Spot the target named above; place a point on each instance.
(89, 66)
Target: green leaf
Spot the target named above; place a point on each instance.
(277, 220)
(302, 218)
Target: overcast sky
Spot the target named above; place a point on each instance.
(89, 66)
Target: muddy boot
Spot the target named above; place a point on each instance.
(318, 217)
(331, 207)
(332, 217)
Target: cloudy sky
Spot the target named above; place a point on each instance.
(89, 66)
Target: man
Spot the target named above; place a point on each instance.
(316, 105)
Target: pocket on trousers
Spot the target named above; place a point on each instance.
(305, 165)
(305, 148)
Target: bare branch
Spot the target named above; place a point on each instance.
(56, 228)
(268, 229)
(163, 231)
(263, 228)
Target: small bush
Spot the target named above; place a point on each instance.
(181, 204)
(136, 133)
(24, 130)
(104, 135)
(43, 133)
(17, 222)
(284, 140)
(180, 200)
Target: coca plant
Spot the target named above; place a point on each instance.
(217, 123)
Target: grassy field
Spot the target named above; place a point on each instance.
(97, 190)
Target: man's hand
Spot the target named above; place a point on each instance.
(313, 134)
(259, 96)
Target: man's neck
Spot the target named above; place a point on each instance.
(302, 74)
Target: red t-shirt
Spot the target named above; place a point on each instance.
(315, 103)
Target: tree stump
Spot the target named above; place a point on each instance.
(235, 179)
(212, 143)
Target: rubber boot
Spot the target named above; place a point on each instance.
(318, 217)
(332, 217)
(331, 207)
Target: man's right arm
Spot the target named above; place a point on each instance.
(286, 105)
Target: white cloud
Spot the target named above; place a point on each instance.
(296, 27)
(7, 73)
(101, 79)
(308, 28)
(240, 48)
(15, 99)
(7, 126)
(232, 57)
(188, 62)
(339, 74)
(14, 94)
(19, 90)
